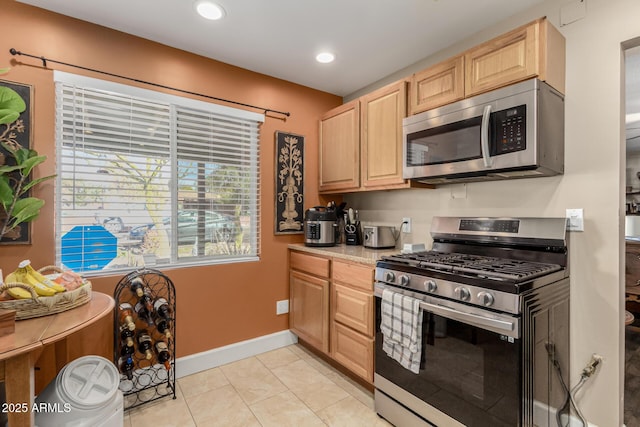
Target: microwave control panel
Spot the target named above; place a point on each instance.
(509, 127)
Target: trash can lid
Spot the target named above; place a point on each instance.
(89, 381)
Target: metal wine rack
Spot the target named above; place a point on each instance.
(151, 380)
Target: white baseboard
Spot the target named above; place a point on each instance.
(230, 353)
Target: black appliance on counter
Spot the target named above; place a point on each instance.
(494, 294)
(320, 226)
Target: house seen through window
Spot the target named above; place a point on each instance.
(150, 179)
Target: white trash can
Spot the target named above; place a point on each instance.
(84, 394)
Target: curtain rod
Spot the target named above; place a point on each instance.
(44, 64)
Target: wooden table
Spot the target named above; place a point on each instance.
(20, 350)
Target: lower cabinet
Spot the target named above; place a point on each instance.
(309, 311)
(332, 309)
(353, 350)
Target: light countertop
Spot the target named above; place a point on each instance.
(347, 252)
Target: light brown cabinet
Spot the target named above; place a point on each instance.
(339, 152)
(438, 85)
(533, 50)
(536, 49)
(361, 143)
(339, 322)
(309, 299)
(352, 317)
(381, 115)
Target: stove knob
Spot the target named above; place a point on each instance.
(389, 276)
(431, 286)
(462, 294)
(404, 280)
(486, 298)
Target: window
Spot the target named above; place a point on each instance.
(146, 178)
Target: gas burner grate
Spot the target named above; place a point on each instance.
(477, 265)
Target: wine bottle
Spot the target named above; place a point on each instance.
(163, 326)
(137, 286)
(126, 367)
(144, 344)
(143, 312)
(127, 337)
(126, 351)
(126, 316)
(147, 299)
(161, 307)
(163, 355)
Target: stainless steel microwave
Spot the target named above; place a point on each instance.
(513, 132)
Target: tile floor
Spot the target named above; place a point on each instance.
(285, 387)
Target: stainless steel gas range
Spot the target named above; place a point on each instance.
(494, 296)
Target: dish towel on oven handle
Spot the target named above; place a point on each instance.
(401, 327)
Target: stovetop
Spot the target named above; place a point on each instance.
(474, 265)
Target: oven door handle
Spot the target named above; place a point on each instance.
(484, 136)
(471, 319)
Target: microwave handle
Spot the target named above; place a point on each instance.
(484, 136)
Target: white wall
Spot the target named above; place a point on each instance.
(594, 180)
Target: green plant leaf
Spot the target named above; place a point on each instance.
(6, 192)
(12, 101)
(26, 209)
(4, 169)
(32, 162)
(8, 116)
(30, 184)
(21, 155)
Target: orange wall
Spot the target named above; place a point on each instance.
(216, 305)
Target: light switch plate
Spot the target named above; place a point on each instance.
(575, 219)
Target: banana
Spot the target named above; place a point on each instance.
(26, 264)
(42, 290)
(17, 293)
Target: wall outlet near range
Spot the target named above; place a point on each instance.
(282, 306)
(406, 225)
(575, 220)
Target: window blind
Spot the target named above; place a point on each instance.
(146, 178)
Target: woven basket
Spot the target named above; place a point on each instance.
(43, 306)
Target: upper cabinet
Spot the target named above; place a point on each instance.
(438, 85)
(381, 114)
(339, 154)
(361, 142)
(533, 50)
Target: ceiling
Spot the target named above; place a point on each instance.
(371, 39)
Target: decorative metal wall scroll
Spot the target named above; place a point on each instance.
(289, 189)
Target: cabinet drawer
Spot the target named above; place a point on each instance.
(353, 308)
(355, 275)
(353, 350)
(309, 263)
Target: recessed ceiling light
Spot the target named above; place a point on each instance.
(209, 10)
(325, 57)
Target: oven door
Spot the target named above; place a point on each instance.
(469, 370)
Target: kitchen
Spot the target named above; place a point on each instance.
(593, 114)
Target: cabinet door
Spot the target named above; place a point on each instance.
(353, 308)
(381, 122)
(504, 60)
(438, 85)
(309, 309)
(339, 148)
(353, 350)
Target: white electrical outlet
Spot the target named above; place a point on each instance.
(575, 220)
(282, 306)
(406, 225)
